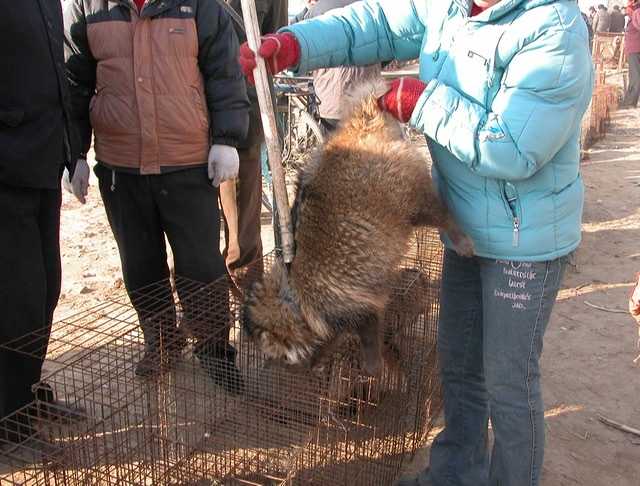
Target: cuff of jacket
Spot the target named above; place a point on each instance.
(229, 127)
(304, 66)
(450, 119)
(231, 142)
(310, 58)
(84, 133)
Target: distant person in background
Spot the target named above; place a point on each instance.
(634, 306)
(587, 21)
(303, 14)
(331, 85)
(242, 236)
(617, 20)
(628, 11)
(632, 49)
(601, 20)
(592, 14)
(634, 301)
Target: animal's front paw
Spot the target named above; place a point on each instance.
(464, 247)
(462, 244)
(372, 365)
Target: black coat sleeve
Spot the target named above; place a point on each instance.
(81, 69)
(262, 9)
(224, 83)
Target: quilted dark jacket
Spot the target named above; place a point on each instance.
(157, 87)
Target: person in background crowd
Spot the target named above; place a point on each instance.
(617, 20)
(158, 84)
(592, 14)
(304, 13)
(242, 206)
(36, 141)
(601, 20)
(634, 307)
(503, 87)
(632, 49)
(332, 84)
(587, 22)
(634, 301)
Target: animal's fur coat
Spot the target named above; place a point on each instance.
(357, 204)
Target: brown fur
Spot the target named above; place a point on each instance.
(356, 207)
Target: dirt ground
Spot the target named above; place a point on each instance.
(588, 365)
(588, 360)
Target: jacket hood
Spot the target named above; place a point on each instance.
(504, 7)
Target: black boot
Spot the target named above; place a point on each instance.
(218, 360)
(160, 354)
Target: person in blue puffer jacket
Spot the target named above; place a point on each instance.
(503, 87)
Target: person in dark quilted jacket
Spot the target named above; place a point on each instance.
(159, 87)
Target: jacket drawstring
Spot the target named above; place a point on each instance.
(113, 180)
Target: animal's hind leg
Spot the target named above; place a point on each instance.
(432, 212)
(323, 356)
(370, 332)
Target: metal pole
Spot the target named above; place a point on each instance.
(268, 116)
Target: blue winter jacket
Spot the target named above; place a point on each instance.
(506, 91)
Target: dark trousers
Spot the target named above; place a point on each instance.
(329, 124)
(183, 206)
(633, 90)
(29, 285)
(242, 205)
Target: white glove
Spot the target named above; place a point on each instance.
(79, 184)
(223, 164)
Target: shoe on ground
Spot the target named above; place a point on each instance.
(219, 363)
(154, 361)
(417, 479)
(408, 481)
(149, 365)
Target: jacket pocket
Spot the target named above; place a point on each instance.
(11, 118)
(94, 99)
(513, 208)
(113, 115)
(94, 108)
(200, 107)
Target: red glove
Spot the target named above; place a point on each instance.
(280, 51)
(402, 98)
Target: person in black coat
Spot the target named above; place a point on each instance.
(36, 142)
(617, 20)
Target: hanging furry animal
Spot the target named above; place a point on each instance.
(357, 204)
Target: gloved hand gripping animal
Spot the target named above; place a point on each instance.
(357, 205)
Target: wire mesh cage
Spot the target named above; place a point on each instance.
(210, 410)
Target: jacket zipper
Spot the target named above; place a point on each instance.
(511, 201)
